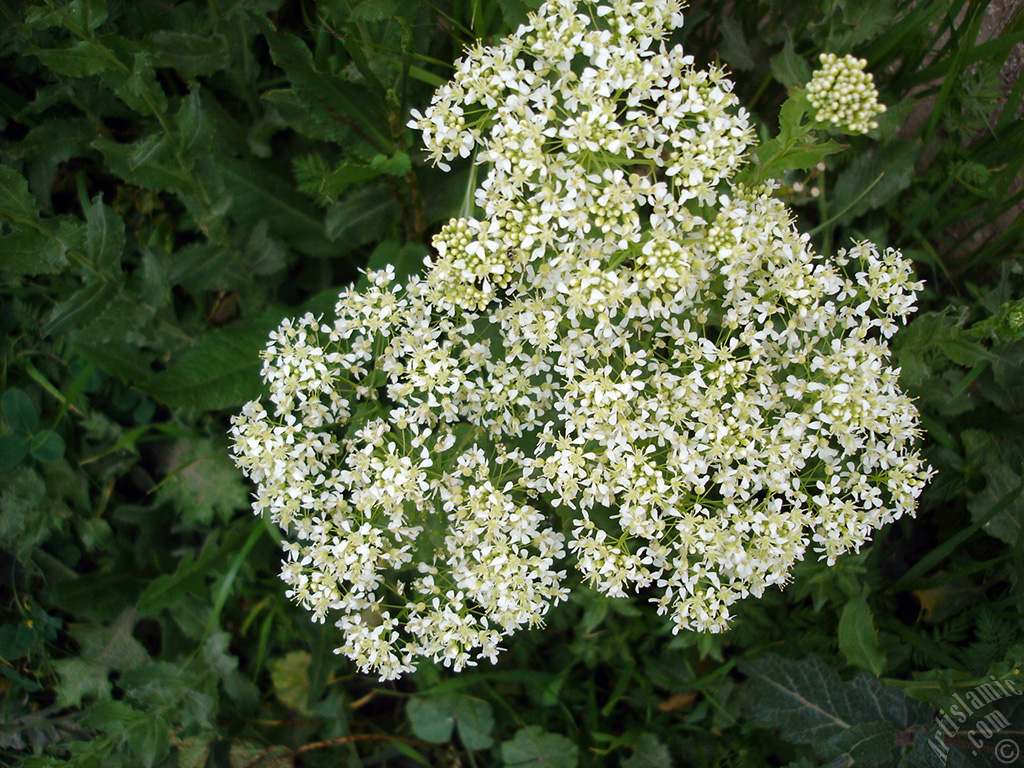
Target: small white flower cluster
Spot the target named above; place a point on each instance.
(628, 359)
(844, 94)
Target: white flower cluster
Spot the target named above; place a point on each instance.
(627, 360)
(844, 94)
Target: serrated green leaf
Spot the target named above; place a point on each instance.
(150, 740)
(337, 100)
(82, 307)
(289, 675)
(810, 705)
(875, 177)
(84, 58)
(220, 371)
(20, 412)
(79, 679)
(535, 747)
(15, 199)
(648, 752)
(1004, 486)
(735, 48)
(361, 217)
(32, 252)
(202, 482)
(857, 637)
(434, 718)
(790, 69)
(113, 646)
(188, 54)
(104, 235)
(258, 194)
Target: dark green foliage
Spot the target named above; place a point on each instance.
(175, 178)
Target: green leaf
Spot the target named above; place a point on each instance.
(875, 177)
(202, 482)
(193, 751)
(113, 646)
(535, 747)
(104, 236)
(734, 46)
(32, 252)
(433, 718)
(857, 637)
(46, 446)
(13, 450)
(84, 58)
(867, 744)
(259, 194)
(15, 199)
(82, 307)
(222, 369)
(810, 705)
(790, 69)
(367, 214)
(289, 675)
(648, 752)
(79, 679)
(188, 54)
(20, 412)
(1003, 494)
(329, 97)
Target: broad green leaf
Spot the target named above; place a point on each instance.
(113, 646)
(20, 412)
(82, 307)
(810, 705)
(13, 449)
(365, 215)
(289, 675)
(648, 752)
(104, 235)
(188, 54)
(534, 747)
(875, 177)
(150, 740)
(790, 69)
(147, 162)
(46, 446)
(15, 200)
(857, 637)
(335, 182)
(735, 48)
(433, 718)
(202, 482)
(79, 679)
(1004, 485)
(797, 157)
(220, 371)
(84, 58)
(868, 744)
(327, 95)
(32, 252)
(259, 194)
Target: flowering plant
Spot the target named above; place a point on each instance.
(628, 357)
